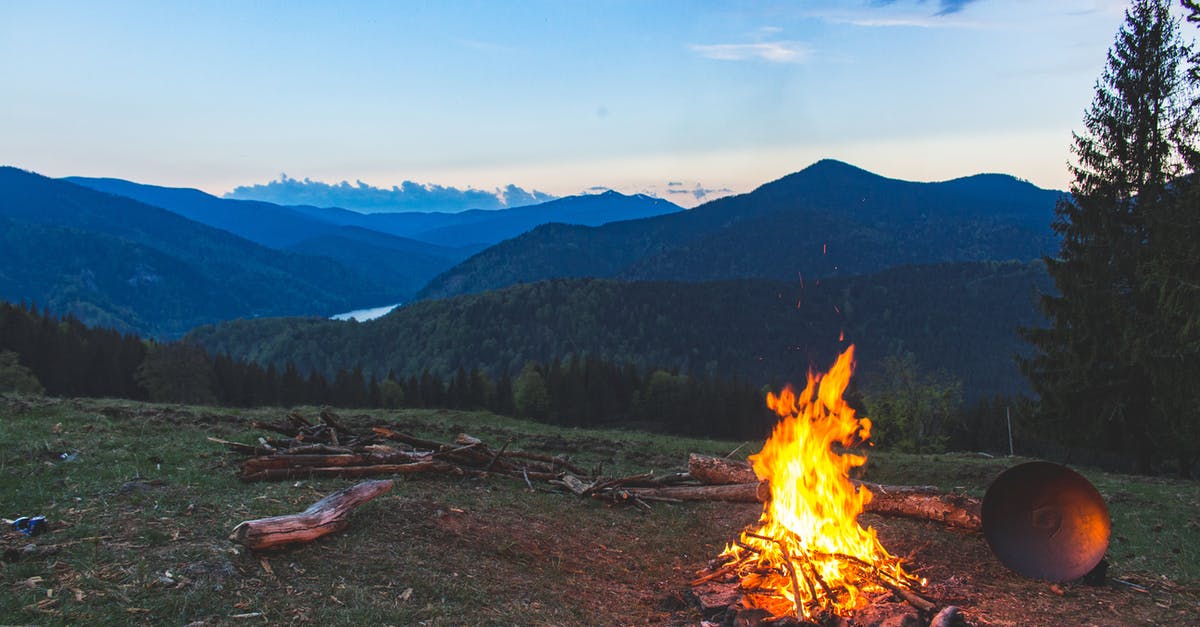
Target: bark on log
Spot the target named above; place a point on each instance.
(326, 516)
(711, 470)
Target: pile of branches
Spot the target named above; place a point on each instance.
(302, 449)
(328, 448)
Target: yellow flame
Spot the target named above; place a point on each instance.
(808, 552)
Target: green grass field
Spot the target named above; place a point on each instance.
(142, 503)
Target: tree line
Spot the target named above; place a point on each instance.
(61, 356)
(912, 410)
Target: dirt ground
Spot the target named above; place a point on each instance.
(958, 565)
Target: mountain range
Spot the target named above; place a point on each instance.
(159, 261)
(785, 268)
(117, 262)
(830, 219)
(400, 252)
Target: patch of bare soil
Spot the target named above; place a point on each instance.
(610, 574)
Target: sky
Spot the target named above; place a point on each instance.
(559, 96)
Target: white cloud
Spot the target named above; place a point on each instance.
(771, 51)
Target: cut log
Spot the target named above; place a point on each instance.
(923, 502)
(711, 470)
(735, 493)
(926, 503)
(353, 459)
(308, 472)
(326, 516)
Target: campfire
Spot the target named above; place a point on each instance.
(807, 556)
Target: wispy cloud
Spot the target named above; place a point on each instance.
(770, 51)
(945, 7)
(902, 13)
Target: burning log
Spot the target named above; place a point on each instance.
(739, 484)
(326, 516)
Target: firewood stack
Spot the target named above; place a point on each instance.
(330, 449)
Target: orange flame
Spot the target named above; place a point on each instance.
(808, 553)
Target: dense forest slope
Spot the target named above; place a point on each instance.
(959, 317)
(113, 261)
(830, 219)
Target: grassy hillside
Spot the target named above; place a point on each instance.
(140, 508)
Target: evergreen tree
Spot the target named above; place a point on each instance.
(177, 373)
(1091, 365)
(531, 397)
(911, 410)
(17, 378)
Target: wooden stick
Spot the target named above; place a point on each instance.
(720, 572)
(921, 603)
(277, 428)
(326, 516)
(332, 419)
(497, 455)
(787, 561)
(398, 436)
(555, 462)
(241, 448)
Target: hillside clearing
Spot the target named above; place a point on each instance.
(140, 505)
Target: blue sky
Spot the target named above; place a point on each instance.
(557, 96)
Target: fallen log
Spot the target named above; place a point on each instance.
(326, 516)
(340, 459)
(920, 502)
(734, 493)
(309, 472)
(923, 502)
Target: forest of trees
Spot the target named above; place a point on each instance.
(44, 354)
(41, 353)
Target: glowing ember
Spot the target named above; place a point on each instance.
(808, 555)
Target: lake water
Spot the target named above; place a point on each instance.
(362, 315)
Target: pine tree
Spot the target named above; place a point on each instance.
(1090, 367)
